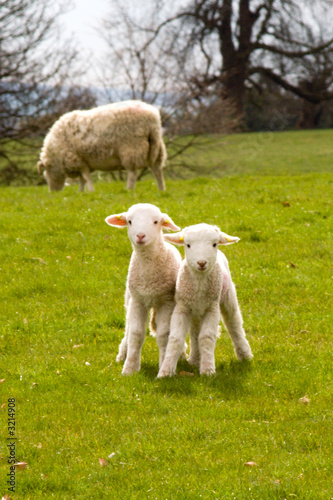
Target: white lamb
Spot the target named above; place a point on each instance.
(151, 280)
(204, 289)
(111, 137)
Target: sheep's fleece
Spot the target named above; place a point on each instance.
(125, 135)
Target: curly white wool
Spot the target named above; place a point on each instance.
(204, 290)
(151, 280)
(112, 137)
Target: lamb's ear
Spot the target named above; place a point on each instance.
(176, 238)
(225, 239)
(117, 220)
(168, 223)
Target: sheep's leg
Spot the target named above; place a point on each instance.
(233, 321)
(137, 319)
(82, 183)
(158, 174)
(207, 341)
(131, 179)
(179, 326)
(86, 177)
(194, 357)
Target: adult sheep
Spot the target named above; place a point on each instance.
(125, 135)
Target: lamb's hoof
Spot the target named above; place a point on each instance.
(120, 358)
(244, 354)
(207, 371)
(130, 369)
(165, 373)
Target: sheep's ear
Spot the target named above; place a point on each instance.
(117, 220)
(176, 238)
(168, 223)
(225, 239)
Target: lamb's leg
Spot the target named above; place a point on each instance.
(180, 323)
(194, 357)
(123, 344)
(137, 319)
(131, 179)
(207, 340)
(233, 321)
(162, 321)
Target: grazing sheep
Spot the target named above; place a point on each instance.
(151, 280)
(121, 135)
(204, 289)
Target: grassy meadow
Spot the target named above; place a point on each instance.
(256, 430)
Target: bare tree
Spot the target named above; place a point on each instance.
(34, 67)
(217, 49)
(143, 62)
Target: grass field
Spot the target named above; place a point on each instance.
(62, 281)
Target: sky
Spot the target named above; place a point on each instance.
(80, 23)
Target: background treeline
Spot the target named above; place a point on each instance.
(212, 66)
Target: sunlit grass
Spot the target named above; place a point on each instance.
(62, 276)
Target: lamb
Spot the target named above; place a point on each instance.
(151, 280)
(121, 135)
(204, 289)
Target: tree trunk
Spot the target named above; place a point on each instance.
(310, 115)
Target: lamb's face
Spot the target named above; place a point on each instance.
(144, 224)
(201, 246)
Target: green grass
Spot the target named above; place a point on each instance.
(62, 281)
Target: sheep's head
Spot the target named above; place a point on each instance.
(201, 244)
(144, 223)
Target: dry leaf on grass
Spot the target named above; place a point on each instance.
(3, 406)
(186, 374)
(305, 400)
(2, 380)
(251, 464)
(21, 465)
(102, 462)
(6, 497)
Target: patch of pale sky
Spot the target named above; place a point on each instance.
(81, 23)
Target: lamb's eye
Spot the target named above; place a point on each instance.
(130, 222)
(214, 245)
(155, 221)
(188, 246)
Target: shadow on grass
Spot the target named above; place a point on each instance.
(228, 381)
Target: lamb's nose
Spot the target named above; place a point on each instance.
(202, 263)
(140, 236)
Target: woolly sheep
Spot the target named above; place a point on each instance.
(120, 135)
(204, 289)
(151, 280)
